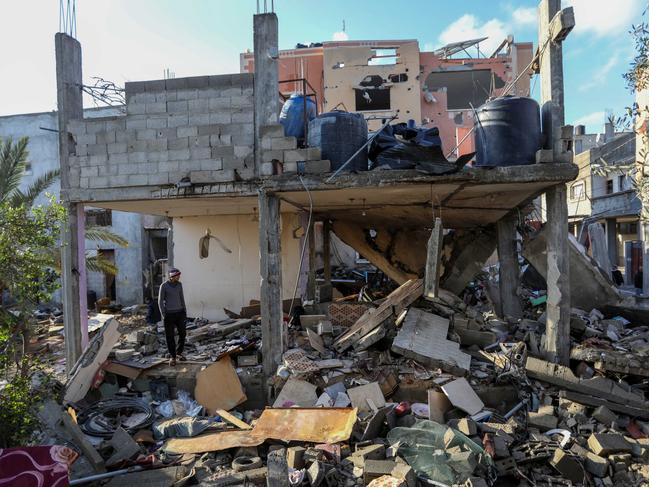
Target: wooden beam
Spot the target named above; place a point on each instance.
(433, 260)
(272, 317)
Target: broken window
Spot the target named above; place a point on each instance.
(627, 228)
(371, 81)
(577, 191)
(464, 88)
(609, 186)
(383, 56)
(372, 99)
(99, 217)
(398, 78)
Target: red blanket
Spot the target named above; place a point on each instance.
(36, 466)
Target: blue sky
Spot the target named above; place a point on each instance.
(137, 39)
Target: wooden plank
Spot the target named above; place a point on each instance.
(80, 440)
(230, 418)
(433, 260)
(91, 360)
(395, 303)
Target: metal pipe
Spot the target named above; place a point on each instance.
(107, 475)
(360, 149)
(515, 409)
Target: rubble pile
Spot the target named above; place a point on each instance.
(402, 391)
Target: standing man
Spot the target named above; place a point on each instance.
(171, 302)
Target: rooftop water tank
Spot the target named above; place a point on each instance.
(507, 132)
(339, 135)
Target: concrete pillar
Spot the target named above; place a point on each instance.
(266, 81)
(557, 337)
(433, 260)
(73, 276)
(611, 240)
(509, 270)
(273, 333)
(645, 258)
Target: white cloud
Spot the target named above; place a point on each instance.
(469, 27)
(523, 16)
(340, 36)
(595, 120)
(604, 17)
(602, 72)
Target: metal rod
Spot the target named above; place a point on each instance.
(107, 475)
(360, 149)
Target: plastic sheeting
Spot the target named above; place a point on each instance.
(424, 446)
(292, 115)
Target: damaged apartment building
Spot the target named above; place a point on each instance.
(244, 199)
(139, 263)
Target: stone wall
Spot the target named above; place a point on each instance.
(201, 128)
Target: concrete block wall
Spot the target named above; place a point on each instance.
(278, 150)
(199, 127)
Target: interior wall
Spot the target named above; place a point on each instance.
(224, 279)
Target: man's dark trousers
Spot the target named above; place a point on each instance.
(175, 320)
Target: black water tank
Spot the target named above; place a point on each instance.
(507, 132)
(339, 135)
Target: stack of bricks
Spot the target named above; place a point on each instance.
(276, 148)
(199, 127)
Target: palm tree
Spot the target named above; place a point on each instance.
(13, 163)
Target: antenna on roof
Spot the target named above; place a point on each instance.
(343, 25)
(68, 17)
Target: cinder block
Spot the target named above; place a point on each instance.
(242, 101)
(116, 124)
(297, 155)
(178, 143)
(209, 130)
(221, 117)
(220, 104)
(158, 178)
(77, 127)
(243, 139)
(133, 87)
(155, 85)
(179, 155)
(242, 150)
(138, 179)
(199, 141)
(232, 92)
(99, 182)
(88, 139)
(317, 167)
(89, 171)
(177, 119)
(108, 170)
(118, 158)
(187, 94)
(97, 149)
(200, 152)
(232, 163)
(95, 126)
(133, 123)
(247, 91)
(97, 160)
(146, 134)
(124, 136)
(164, 96)
(177, 106)
(157, 145)
(137, 146)
(176, 83)
(156, 107)
(290, 167)
(187, 131)
(210, 164)
(128, 169)
(283, 143)
(168, 166)
(219, 80)
(243, 117)
(136, 157)
(200, 105)
(168, 133)
(604, 415)
(160, 156)
(84, 183)
(119, 181)
(222, 176)
(198, 119)
(224, 150)
(156, 122)
(604, 444)
(143, 98)
(198, 82)
(116, 148)
(221, 139)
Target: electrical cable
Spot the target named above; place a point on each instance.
(308, 227)
(104, 417)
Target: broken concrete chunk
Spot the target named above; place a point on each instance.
(423, 337)
(467, 427)
(544, 419)
(296, 392)
(594, 464)
(295, 457)
(603, 444)
(124, 447)
(568, 466)
(366, 398)
(461, 395)
(438, 405)
(604, 415)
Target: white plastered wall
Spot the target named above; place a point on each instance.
(228, 280)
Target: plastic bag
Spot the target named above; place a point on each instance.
(424, 447)
(192, 408)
